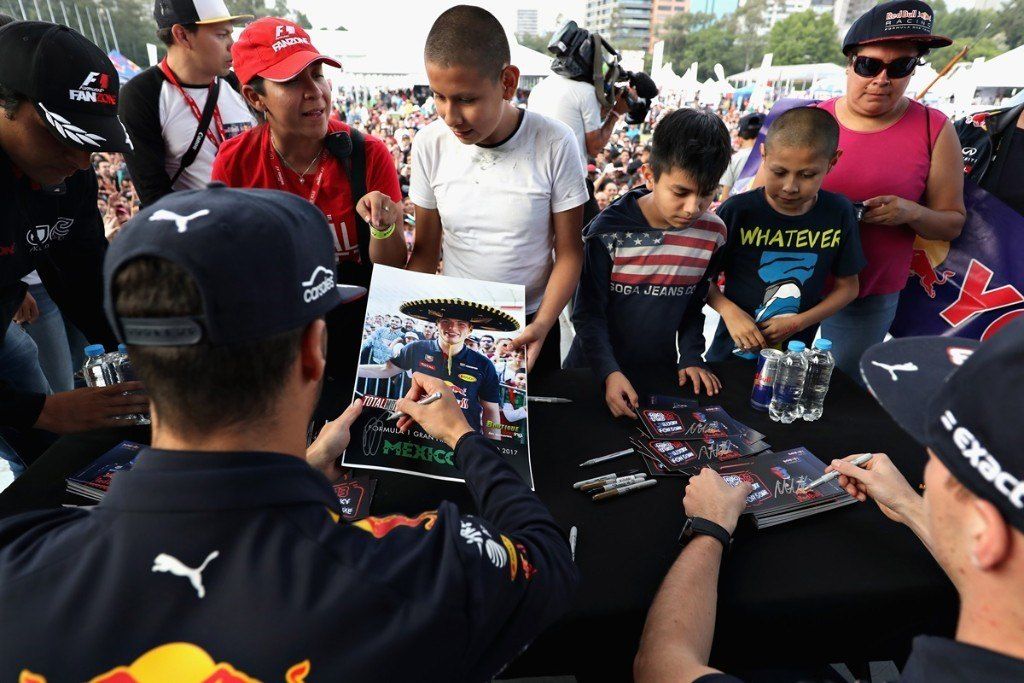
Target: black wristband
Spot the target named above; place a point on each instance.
(698, 525)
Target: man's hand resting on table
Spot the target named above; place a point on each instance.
(709, 497)
(441, 419)
(332, 441)
(81, 410)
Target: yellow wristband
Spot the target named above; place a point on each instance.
(382, 234)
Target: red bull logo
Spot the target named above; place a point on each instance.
(456, 389)
(928, 277)
(178, 663)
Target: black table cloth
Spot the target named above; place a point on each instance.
(845, 585)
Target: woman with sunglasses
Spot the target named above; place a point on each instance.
(900, 158)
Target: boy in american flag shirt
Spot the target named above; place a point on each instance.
(647, 261)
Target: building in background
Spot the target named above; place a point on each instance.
(624, 23)
(783, 9)
(661, 10)
(526, 22)
(845, 12)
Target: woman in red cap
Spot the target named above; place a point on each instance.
(297, 149)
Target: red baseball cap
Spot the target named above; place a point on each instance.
(274, 49)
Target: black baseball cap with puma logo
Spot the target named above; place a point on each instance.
(263, 261)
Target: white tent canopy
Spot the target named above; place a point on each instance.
(791, 73)
(367, 60)
(1004, 71)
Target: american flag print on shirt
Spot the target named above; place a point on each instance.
(665, 257)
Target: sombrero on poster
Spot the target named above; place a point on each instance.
(480, 316)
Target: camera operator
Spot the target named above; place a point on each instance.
(571, 95)
(574, 104)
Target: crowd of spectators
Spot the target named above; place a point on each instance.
(395, 116)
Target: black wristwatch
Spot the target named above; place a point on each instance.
(699, 525)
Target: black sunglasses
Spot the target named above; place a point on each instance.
(869, 67)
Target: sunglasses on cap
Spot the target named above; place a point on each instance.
(869, 67)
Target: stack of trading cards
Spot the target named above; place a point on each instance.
(678, 437)
(778, 479)
(93, 481)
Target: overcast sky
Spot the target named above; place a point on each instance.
(367, 14)
(388, 15)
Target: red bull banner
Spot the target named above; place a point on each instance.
(972, 286)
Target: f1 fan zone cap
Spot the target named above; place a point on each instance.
(72, 84)
(170, 12)
(963, 399)
(262, 260)
(897, 20)
(274, 49)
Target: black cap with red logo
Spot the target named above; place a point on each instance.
(897, 20)
(71, 82)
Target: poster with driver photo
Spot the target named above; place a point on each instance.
(459, 331)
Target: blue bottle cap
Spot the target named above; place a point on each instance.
(124, 349)
(823, 344)
(94, 350)
(797, 346)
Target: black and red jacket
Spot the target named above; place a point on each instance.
(981, 137)
(239, 560)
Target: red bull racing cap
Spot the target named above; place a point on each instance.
(71, 83)
(898, 20)
(962, 399)
(262, 260)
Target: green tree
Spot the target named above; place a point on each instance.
(750, 22)
(534, 42)
(805, 38)
(968, 27)
(258, 9)
(701, 38)
(1011, 23)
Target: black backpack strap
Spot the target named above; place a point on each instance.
(197, 142)
(355, 167)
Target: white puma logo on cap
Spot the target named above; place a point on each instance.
(893, 369)
(180, 221)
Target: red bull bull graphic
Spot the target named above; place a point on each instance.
(970, 287)
(923, 267)
(178, 663)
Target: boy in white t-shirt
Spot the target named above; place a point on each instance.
(496, 187)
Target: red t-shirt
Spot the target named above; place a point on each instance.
(245, 161)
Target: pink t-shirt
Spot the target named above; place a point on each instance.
(894, 161)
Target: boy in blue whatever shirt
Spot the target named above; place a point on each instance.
(787, 240)
(647, 259)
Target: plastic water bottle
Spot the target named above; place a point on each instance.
(789, 384)
(97, 370)
(124, 372)
(819, 372)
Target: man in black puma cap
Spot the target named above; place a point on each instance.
(223, 541)
(58, 103)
